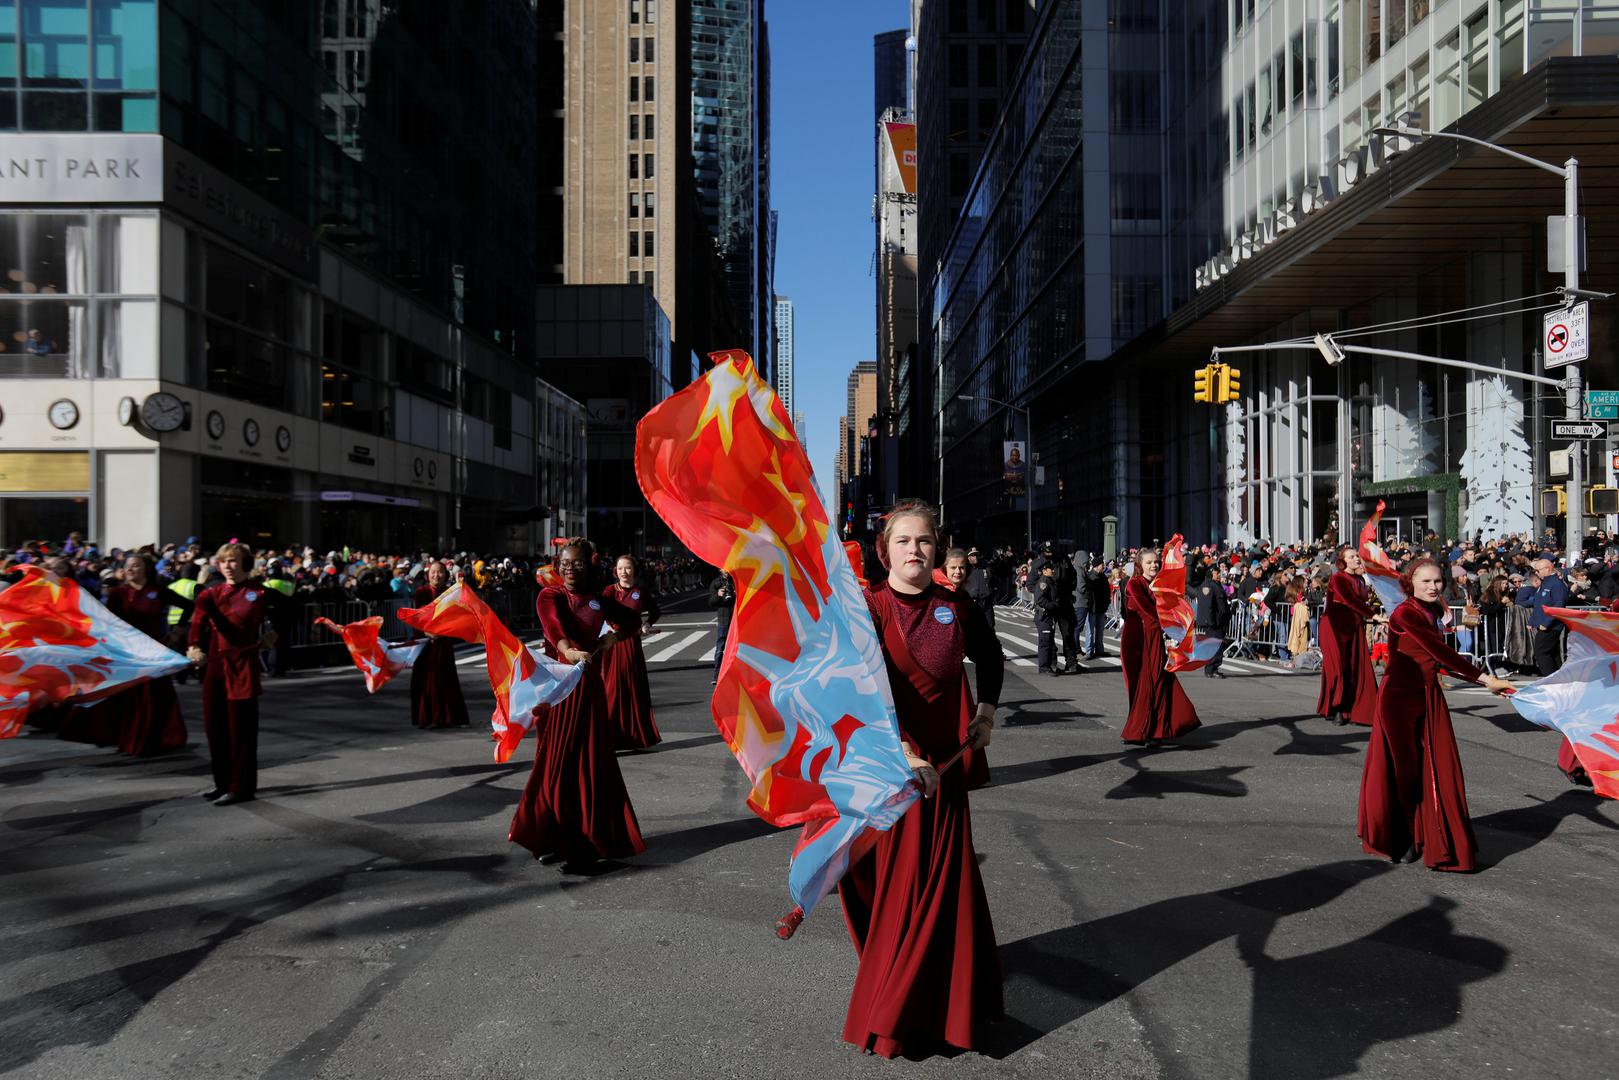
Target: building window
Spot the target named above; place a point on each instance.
(648, 279)
(635, 244)
(650, 205)
(651, 11)
(958, 66)
(356, 68)
(646, 245)
(958, 119)
(635, 50)
(651, 52)
(649, 87)
(1511, 35)
(649, 166)
(635, 11)
(635, 127)
(635, 166)
(635, 88)
(651, 127)
(635, 205)
(988, 70)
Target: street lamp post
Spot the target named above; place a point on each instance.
(1569, 171)
(1028, 435)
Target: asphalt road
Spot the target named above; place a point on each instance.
(1196, 912)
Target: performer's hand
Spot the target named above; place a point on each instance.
(982, 729)
(575, 656)
(196, 655)
(1496, 685)
(927, 777)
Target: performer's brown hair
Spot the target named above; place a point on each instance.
(907, 508)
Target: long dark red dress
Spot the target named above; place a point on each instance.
(1411, 789)
(435, 684)
(915, 905)
(1348, 684)
(1159, 708)
(629, 694)
(575, 804)
(143, 720)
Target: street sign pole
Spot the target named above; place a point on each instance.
(1572, 393)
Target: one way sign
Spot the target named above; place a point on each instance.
(1573, 429)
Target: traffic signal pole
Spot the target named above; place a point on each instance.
(1572, 389)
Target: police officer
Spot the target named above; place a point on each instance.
(1212, 611)
(1047, 601)
(1067, 624)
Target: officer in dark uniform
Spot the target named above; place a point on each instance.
(1047, 600)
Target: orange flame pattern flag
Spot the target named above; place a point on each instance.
(1381, 573)
(58, 643)
(523, 680)
(377, 660)
(1175, 614)
(1581, 698)
(802, 697)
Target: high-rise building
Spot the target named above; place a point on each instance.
(730, 116)
(900, 453)
(857, 431)
(798, 429)
(1133, 213)
(966, 57)
(253, 287)
(784, 352)
(890, 71)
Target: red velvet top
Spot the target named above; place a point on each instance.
(577, 617)
(226, 625)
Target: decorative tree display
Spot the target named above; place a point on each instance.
(1496, 466)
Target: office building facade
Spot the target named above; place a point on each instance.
(1212, 176)
(251, 288)
(784, 352)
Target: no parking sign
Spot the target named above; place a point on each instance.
(1565, 335)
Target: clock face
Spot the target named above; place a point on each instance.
(432, 470)
(216, 425)
(63, 413)
(283, 439)
(419, 466)
(126, 411)
(163, 411)
(250, 432)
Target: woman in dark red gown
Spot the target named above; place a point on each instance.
(575, 808)
(1413, 802)
(143, 720)
(1159, 708)
(929, 972)
(1348, 684)
(435, 684)
(629, 694)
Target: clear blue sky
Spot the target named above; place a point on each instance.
(822, 141)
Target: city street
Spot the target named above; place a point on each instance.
(1191, 912)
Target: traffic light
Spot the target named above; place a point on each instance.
(1553, 502)
(1602, 500)
(1203, 383)
(1230, 385)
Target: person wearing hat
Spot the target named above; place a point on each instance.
(979, 588)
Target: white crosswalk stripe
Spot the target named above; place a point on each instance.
(669, 652)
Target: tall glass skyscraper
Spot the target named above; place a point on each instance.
(269, 270)
(730, 134)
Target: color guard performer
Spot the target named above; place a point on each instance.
(624, 677)
(1159, 708)
(1348, 684)
(929, 973)
(436, 700)
(227, 632)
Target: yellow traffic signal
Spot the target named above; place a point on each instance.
(1602, 500)
(1230, 384)
(1553, 502)
(1203, 383)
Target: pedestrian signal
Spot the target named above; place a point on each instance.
(1553, 502)
(1602, 500)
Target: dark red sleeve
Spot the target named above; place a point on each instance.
(1420, 630)
(202, 615)
(1138, 594)
(550, 607)
(618, 614)
(650, 608)
(1342, 589)
(984, 650)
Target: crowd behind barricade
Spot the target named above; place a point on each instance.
(1270, 597)
(342, 585)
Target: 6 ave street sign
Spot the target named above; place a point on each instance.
(1573, 429)
(1565, 335)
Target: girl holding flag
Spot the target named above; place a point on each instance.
(1413, 802)
(1159, 708)
(1348, 685)
(629, 694)
(575, 808)
(929, 972)
(435, 686)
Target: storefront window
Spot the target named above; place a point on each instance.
(44, 338)
(128, 339)
(127, 254)
(1476, 80)
(1599, 29)
(1511, 33)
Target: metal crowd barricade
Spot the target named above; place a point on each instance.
(1253, 634)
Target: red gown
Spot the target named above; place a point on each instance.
(143, 720)
(575, 804)
(226, 624)
(435, 685)
(1348, 685)
(1411, 789)
(1159, 708)
(915, 905)
(629, 694)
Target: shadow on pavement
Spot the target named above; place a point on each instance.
(1006, 775)
(668, 849)
(1313, 1015)
(1510, 832)
(1219, 781)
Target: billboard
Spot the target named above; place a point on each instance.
(902, 138)
(1014, 465)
